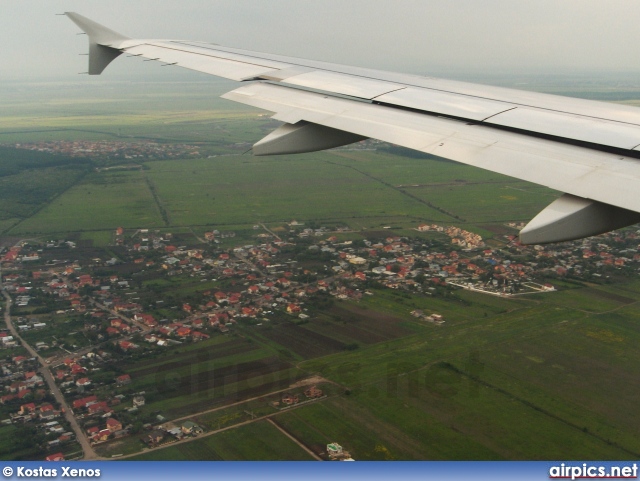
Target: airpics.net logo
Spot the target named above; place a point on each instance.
(40, 472)
(586, 471)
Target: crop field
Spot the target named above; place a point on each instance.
(305, 343)
(259, 441)
(209, 374)
(352, 323)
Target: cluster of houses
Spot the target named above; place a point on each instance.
(459, 237)
(266, 279)
(99, 418)
(171, 433)
(111, 149)
(24, 397)
(20, 379)
(112, 427)
(289, 398)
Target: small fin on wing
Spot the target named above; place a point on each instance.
(103, 42)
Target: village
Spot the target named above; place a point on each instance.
(111, 150)
(80, 313)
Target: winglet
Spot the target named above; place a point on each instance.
(103, 42)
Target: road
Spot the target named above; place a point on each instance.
(295, 440)
(88, 452)
(271, 232)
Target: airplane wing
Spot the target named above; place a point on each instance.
(588, 150)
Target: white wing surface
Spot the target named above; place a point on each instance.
(589, 150)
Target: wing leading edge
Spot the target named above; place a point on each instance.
(589, 150)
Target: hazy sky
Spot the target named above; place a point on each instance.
(417, 36)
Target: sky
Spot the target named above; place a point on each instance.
(429, 37)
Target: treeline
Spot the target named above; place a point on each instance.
(13, 161)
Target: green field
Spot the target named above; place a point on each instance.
(258, 441)
(241, 191)
(105, 200)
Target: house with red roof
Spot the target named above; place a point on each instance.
(18, 360)
(47, 411)
(29, 408)
(147, 319)
(114, 425)
(123, 379)
(102, 435)
(99, 407)
(83, 382)
(55, 457)
(165, 331)
(126, 345)
(112, 331)
(293, 308)
(77, 369)
(197, 323)
(183, 331)
(23, 393)
(84, 402)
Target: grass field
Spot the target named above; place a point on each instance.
(237, 191)
(104, 200)
(246, 190)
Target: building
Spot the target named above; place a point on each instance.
(189, 427)
(313, 392)
(114, 425)
(154, 438)
(55, 457)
